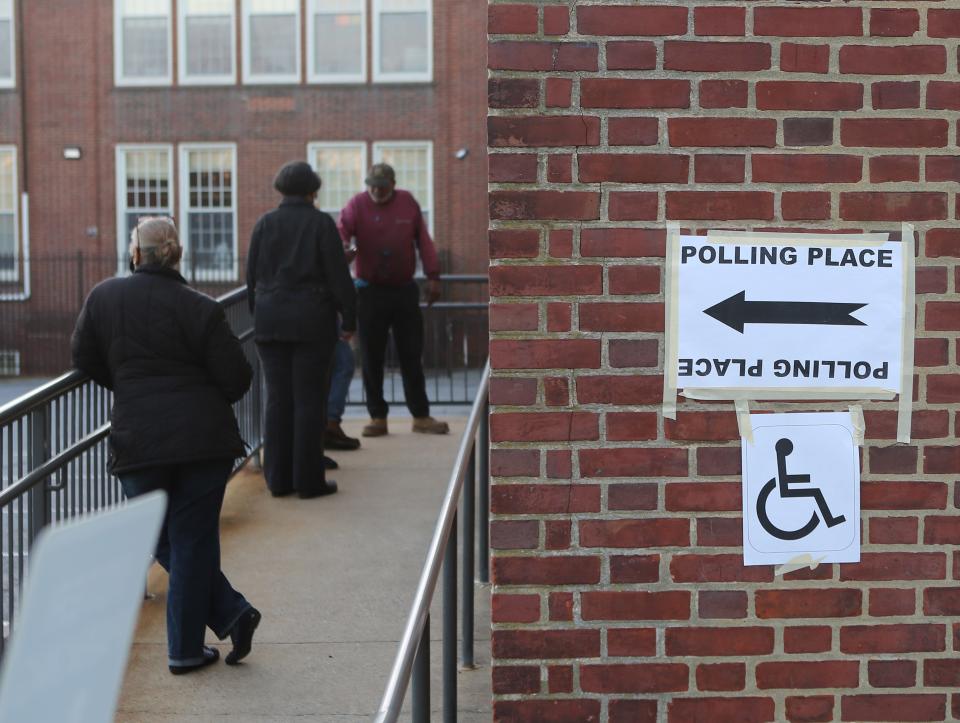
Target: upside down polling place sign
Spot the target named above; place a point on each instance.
(788, 313)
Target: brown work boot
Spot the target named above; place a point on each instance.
(376, 428)
(336, 438)
(429, 425)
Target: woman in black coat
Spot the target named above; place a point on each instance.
(175, 367)
(298, 282)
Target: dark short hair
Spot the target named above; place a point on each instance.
(296, 178)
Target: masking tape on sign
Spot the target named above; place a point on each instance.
(904, 412)
(751, 238)
(743, 420)
(774, 394)
(856, 421)
(671, 326)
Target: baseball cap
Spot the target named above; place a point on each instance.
(381, 174)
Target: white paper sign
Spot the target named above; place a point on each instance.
(801, 489)
(773, 315)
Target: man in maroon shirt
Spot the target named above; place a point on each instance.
(388, 229)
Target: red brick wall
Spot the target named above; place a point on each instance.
(620, 592)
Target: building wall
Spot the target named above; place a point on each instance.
(619, 588)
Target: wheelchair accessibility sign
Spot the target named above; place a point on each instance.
(801, 489)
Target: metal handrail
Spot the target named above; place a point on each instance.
(413, 634)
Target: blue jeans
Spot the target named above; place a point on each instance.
(199, 594)
(340, 377)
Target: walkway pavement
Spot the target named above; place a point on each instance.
(334, 578)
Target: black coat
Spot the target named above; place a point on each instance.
(297, 275)
(173, 364)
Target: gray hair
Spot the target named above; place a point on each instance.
(158, 241)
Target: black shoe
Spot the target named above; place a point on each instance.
(242, 636)
(327, 488)
(330, 463)
(336, 438)
(281, 493)
(210, 656)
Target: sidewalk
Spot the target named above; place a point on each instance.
(334, 578)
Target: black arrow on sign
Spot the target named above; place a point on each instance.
(737, 311)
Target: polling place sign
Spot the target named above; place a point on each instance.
(792, 314)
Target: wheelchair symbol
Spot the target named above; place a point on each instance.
(784, 448)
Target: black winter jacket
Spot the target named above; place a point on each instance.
(173, 364)
(297, 275)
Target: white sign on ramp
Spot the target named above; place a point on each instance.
(801, 489)
(789, 313)
(80, 603)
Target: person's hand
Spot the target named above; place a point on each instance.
(350, 253)
(433, 291)
(346, 336)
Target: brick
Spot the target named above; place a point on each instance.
(941, 601)
(533, 55)
(929, 280)
(556, 391)
(722, 604)
(734, 132)
(806, 168)
(557, 534)
(807, 639)
(560, 168)
(892, 95)
(631, 426)
(560, 242)
(807, 22)
(514, 243)
(509, 679)
(904, 638)
(808, 95)
(633, 389)
(718, 461)
(905, 60)
(632, 206)
(633, 711)
(556, 20)
(685, 55)
(544, 205)
(893, 460)
(726, 205)
(559, 316)
(809, 709)
(621, 316)
(515, 608)
(894, 132)
(631, 353)
(719, 531)
(631, 642)
(565, 570)
(634, 678)
(802, 675)
(544, 426)
(894, 530)
(510, 131)
(900, 707)
(635, 533)
(717, 568)
(671, 605)
(943, 388)
(512, 19)
(558, 92)
(740, 709)
(808, 131)
(515, 391)
(631, 20)
(882, 206)
(798, 603)
(903, 496)
(702, 426)
(896, 566)
(514, 317)
(713, 642)
(547, 711)
(560, 605)
(894, 23)
(633, 462)
(943, 168)
(703, 496)
(721, 676)
(943, 95)
(633, 131)
(513, 168)
(513, 92)
(805, 205)
(514, 462)
(622, 242)
(533, 499)
(634, 168)
(803, 58)
(634, 568)
(941, 460)
(718, 168)
(633, 280)
(723, 93)
(545, 354)
(553, 280)
(631, 55)
(560, 679)
(941, 673)
(942, 316)
(887, 169)
(943, 23)
(641, 496)
(892, 673)
(941, 531)
(719, 21)
(633, 93)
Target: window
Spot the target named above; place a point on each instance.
(342, 168)
(271, 41)
(206, 41)
(144, 174)
(402, 40)
(7, 79)
(142, 43)
(208, 229)
(413, 163)
(9, 247)
(336, 41)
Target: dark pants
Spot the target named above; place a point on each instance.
(380, 309)
(297, 377)
(199, 594)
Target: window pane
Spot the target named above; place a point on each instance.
(144, 47)
(337, 44)
(210, 211)
(268, 7)
(411, 166)
(6, 49)
(8, 182)
(209, 47)
(403, 43)
(208, 7)
(273, 44)
(341, 170)
(147, 181)
(211, 240)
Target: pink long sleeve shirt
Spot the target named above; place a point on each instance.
(388, 237)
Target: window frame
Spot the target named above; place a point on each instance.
(250, 78)
(335, 78)
(123, 241)
(183, 78)
(11, 82)
(312, 148)
(183, 224)
(118, 45)
(14, 274)
(377, 157)
(375, 33)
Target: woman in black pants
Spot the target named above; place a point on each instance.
(298, 281)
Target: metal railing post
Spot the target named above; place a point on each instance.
(450, 626)
(420, 701)
(483, 553)
(466, 576)
(38, 452)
